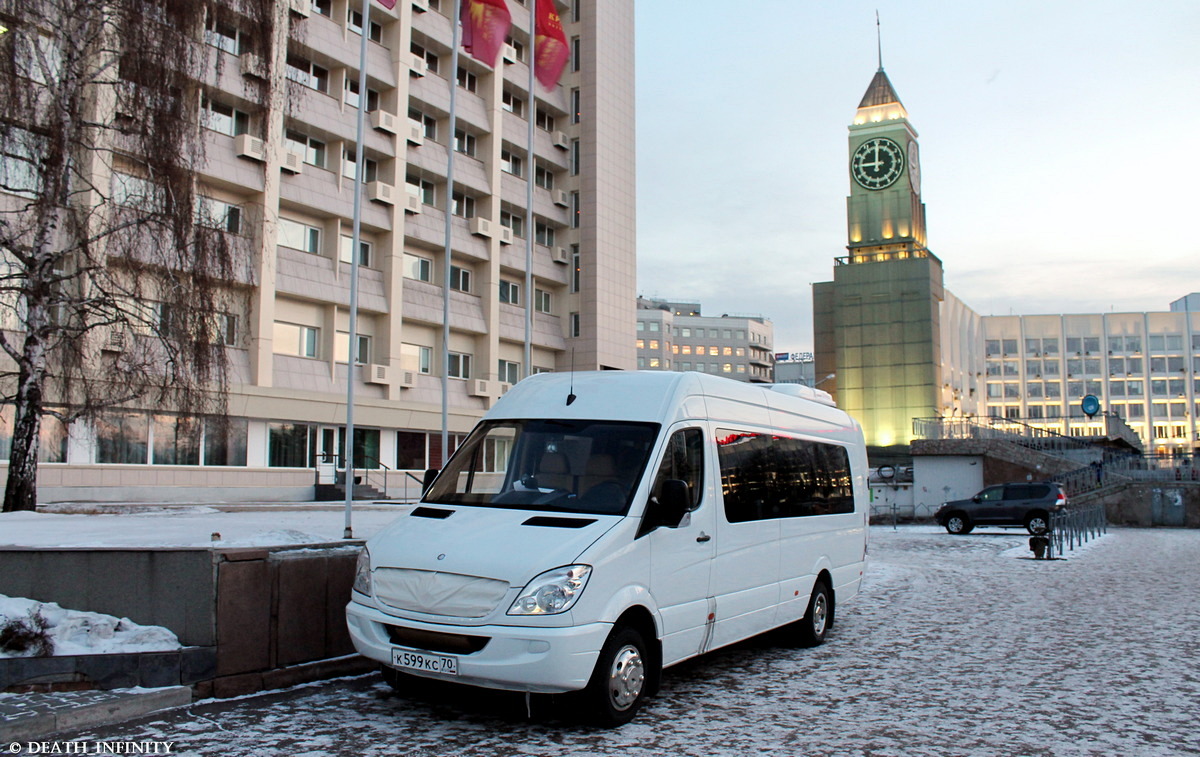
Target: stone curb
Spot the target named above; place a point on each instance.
(26, 717)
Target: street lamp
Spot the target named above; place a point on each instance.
(822, 381)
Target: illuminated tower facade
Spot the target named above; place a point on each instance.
(878, 323)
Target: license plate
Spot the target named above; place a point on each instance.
(424, 661)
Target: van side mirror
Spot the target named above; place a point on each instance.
(427, 481)
(674, 503)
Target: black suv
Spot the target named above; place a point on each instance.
(1027, 505)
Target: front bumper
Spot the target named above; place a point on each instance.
(515, 658)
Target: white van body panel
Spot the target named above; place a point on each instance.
(706, 583)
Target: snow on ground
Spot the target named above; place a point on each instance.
(74, 632)
(956, 646)
(193, 527)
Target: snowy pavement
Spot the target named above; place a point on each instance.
(957, 646)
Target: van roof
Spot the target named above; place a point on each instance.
(647, 396)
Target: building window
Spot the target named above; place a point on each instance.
(460, 279)
(460, 365)
(364, 249)
(543, 234)
(510, 292)
(467, 80)
(416, 267)
(226, 37)
(576, 209)
(288, 445)
(576, 105)
(512, 104)
(224, 119)
(415, 357)
(354, 19)
(576, 269)
(508, 371)
(307, 73)
(575, 157)
(297, 340)
(544, 120)
(428, 123)
(543, 176)
(514, 222)
(464, 142)
(341, 348)
(463, 206)
(512, 163)
(422, 188)
(350, 94)
(350, 167)
(219, 215)
(299, 236)
(309, 150)
(430, 57)
(574, 325)
(575, 53)
(543, 301)
(323, 7)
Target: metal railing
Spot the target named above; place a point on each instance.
(998, 429)
(1074, 527)
(370, 475)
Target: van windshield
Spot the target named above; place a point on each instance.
(547, 464)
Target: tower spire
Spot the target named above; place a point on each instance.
(878, 39)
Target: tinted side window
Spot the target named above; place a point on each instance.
(765, 476)
(683, 460)
(992, 494)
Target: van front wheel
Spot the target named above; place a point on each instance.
(618, 683)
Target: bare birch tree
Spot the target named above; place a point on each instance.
(113, 271)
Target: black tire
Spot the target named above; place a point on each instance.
(619, 683)
(959, 524)
(1037, 523)
(818, 618)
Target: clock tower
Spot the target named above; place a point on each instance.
(877, 325)
(884, 212)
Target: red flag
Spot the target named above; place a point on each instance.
(551, 48)
(389, 4)
(485, 25)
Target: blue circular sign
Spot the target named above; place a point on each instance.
(1090, 405)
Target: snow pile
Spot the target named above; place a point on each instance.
(74, 632)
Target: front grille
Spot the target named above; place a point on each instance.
(434, 641)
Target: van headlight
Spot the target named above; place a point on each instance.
(362, 573)
(552, 592)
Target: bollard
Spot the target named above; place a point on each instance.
(1038, 544)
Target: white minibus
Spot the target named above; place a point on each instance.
(596, 528)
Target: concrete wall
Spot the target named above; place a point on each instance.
(257, 610)
(937, 479)
(1150, 504)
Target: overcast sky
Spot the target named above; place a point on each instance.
(1059, 155)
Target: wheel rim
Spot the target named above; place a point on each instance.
(820, 613)
(626, 677)
(955, 524)
(1037, 525)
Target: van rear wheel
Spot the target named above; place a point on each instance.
(618, 684)
(814, 626)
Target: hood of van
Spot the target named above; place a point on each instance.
(510, 546)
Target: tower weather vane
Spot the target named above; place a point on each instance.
(878, 40)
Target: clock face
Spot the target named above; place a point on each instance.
(914, 168)
(877, 163)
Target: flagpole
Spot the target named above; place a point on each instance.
(454, 22)
(355, 244)
(530, 228)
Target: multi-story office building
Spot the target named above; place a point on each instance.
(1144, 367)
(674, 336)
(285, 182)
